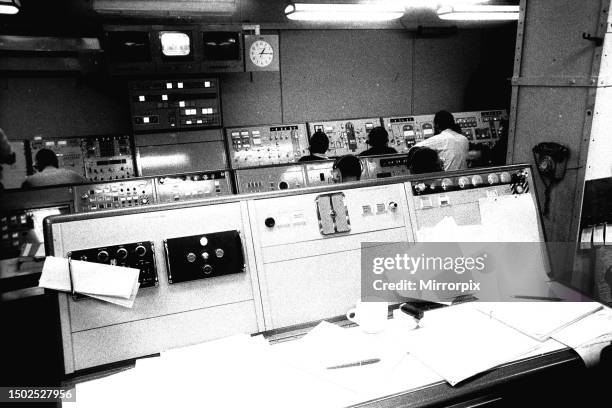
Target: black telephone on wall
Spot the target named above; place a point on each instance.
(551, 161)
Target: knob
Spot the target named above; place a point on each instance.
(446, 184)
(102, 256)
(464, 182)
(283, 185)
(269, 222)
(219, 253)
(393, 206)
(122, 253)
(144, 200)
(191, 257)
(205, 255)
(207, 269)
(203, 241)
(140, 250)
(492, 178)
(476, 180)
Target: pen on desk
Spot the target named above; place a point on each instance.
(527, 297)
(356, 363)
(70, 276)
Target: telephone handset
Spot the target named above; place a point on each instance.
(551, 161)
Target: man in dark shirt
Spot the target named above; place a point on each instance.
(378, 138)
(319, 143)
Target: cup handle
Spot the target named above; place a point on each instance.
(353, 312)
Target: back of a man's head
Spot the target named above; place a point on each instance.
(45, 158)
(378, 137)
(443, 120)
(424, 160)
(319, 143)
(349, 167)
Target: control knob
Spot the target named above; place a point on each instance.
(205, 256)
(191, 257)
(140, 250)
(207, 269)
(393, 206)
(122, 253)
(219, 253)
(269, 222)
(103, 256)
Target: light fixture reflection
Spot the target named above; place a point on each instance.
(381, 11)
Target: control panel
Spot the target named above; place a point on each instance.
(479, 127)
(345, 136)
(175, 104)
(265, 145)
(21, 231)
(138, 255)
(113, 195)
(272, 178)
(204, 256)
(192, 186)
(516, 182)
(108, 158)
(385, 166)
(319, 173)
(69, 152)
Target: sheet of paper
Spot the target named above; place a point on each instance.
(592, 329)
(460, 342)
(539, 320)
(117, 300)
(55, 274)
(511, 218)
(104, 280)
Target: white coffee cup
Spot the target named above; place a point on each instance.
(370, 316)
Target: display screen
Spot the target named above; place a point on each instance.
(175, 44)
(221, 45)
(128, 46)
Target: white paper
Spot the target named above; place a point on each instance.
(117, 300)
(538, 320)
(591, 329)
(511, 218)
(104, 280)
(461, 342)
(55, 274)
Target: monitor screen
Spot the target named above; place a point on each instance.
(128, 46)
(175, 44)
(221, 45)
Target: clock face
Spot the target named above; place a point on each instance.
(261, 53)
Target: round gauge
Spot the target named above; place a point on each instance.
(261, 53)
(493, 178)
(477, 180)
(463, 182)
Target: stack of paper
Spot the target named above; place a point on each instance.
(539, 319)
(460, 342)
(114, 284)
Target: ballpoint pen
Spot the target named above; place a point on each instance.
(356, 363)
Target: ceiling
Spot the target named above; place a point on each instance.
(77, 17)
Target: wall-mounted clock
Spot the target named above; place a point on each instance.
(262, 52)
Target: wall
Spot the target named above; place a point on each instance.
(325, 74)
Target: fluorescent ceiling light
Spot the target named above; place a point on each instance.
(166, 7)
(483, 12)
(9, 6)
(381, 11)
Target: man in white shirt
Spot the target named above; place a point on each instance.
(48, 172)
(451, 145)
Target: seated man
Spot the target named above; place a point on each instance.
(378, 138)
(48, 172)
(347, 168)
(319, 143)
(451, 145)
(423, 160)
